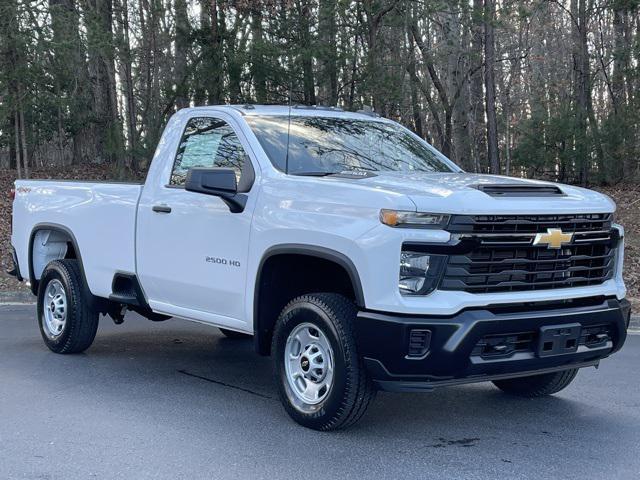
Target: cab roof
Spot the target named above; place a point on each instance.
(296, 110)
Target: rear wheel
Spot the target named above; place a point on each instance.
(321, 380)
(537, 385)
(233, 334)
(67, 322)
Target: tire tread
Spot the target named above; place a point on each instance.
(357, 396)
(537, 385)
(83, 322)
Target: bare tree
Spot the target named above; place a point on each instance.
(547, 88)
(490, 86)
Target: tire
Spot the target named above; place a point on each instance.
(233, 334)
(318, 328)
(537, 385)
(67, 322)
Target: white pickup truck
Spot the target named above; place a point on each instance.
(353, 252)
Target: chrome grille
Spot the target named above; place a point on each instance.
(501, 256)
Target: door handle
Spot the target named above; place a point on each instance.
(161, 208)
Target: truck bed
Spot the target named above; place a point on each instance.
(100, 215)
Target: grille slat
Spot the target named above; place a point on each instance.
(530, 223)
(523, 272)
(523, 286)
(456, 260)
(513, 263)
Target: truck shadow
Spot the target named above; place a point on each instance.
(207, 360)
(196, 364)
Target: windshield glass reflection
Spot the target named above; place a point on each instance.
(333, 145)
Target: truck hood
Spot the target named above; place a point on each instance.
(459, 193)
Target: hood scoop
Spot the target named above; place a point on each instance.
(519, 190)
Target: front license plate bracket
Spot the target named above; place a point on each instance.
(558, 339)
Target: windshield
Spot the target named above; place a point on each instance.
(333, 145)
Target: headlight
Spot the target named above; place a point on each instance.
(419, 272)
(396, 218)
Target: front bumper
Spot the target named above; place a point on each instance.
(460, 347)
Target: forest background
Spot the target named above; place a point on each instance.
(544, 89)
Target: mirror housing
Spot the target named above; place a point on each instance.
(219, 182)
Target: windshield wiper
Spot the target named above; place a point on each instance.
(315, 174)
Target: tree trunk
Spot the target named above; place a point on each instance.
(16, 131)
(351, 67)
(476, 89)
(182, 53)
(327, 55)
(624, 153)
(126, 77)
(72, 78)
(9, 59)
(444, 132)
(200, 74)
(375, 13)
(257, 57)
(103, 80)
(456, 41)
(581, 87)
(306, 49)
(414, 82)
(215, 57)
(374, 70)
(150, 108)
(234, 55)
(620, 59)
(23, 135)
(490, 87)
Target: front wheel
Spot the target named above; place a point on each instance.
(321, 380)
(537, 385)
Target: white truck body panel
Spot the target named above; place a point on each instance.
(101, 216)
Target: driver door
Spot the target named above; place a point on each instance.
(192, 251)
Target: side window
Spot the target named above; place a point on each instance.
(207, 142)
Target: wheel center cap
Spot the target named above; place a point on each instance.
(304, 363)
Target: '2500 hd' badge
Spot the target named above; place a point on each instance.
(222, 261)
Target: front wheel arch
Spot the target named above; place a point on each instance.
(272, 292)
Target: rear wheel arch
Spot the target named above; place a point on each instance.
(62, 234)
(271, 294)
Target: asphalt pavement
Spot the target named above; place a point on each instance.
(176, 400)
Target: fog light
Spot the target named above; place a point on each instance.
(419, 342)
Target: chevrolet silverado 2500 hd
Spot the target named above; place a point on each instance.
(354, 253)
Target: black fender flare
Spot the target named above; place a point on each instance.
(334, 256)
(57, 228)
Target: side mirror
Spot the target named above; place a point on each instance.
(219, 182)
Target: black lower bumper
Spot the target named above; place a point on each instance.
(491, 343)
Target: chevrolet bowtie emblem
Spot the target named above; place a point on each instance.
(554, 238)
